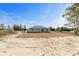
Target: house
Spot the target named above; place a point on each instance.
(38, 29)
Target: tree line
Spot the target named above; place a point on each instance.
(14, 27)
(60, 29)
(21, 27)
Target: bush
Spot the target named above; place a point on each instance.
(4, 32)
(16, 27)
(52, 29)
(11, 31)
(64, 29)
(19, 27)
(77, 31)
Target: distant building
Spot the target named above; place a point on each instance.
(38, 29)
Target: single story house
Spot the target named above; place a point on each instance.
(38, 29)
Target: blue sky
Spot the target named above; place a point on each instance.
(46, 14)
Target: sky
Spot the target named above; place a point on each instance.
(29, 14)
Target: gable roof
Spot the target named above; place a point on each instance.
(37, 26)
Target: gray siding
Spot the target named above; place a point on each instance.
(38, 30)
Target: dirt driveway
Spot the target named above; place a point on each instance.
(53, 46)
(44, 35)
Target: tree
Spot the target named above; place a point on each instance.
(24, 27)
(19, 27)
(64, 29)
(72, 15)
(52, 29)
(58, 29)
(16, 27)
(8, 27)
(2, 26)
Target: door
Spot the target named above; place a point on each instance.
(42, 30)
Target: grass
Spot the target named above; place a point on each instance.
(3, 32)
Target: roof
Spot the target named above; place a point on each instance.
(37, 26)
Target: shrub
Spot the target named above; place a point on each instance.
(52, 29)
(4, 32)
(19, 27)
(77, 31)
(64, 29)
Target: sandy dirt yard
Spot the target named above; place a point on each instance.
(19, 45)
